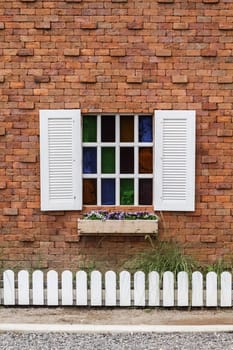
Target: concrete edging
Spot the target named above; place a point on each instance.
(87, 328)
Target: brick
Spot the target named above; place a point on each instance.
(119, 1)
(2, 79)
(135, 25)
(209, 106)
(180, 26)
(28, 159)
(227, 79)
(209, 159)
(2, 131)
(88, 79)
(26, 105)
(208, 53)
(134, 79)
(225, 26)
(88, 25)
(72, 52)
(25, 52)
(28, 0)
(41, 79)
(2, 185)
(117, 52)
(10, 211)
(73, 1)
(208, 239)
(163, 52)
(224, 186)
(2, 25)
(210, 1)
(224, 132)
(180, 79)
(43, 25)
(165, 1)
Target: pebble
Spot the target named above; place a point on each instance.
(133, 341)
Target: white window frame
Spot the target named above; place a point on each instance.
(117, 144)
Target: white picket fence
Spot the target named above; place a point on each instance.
(111, 289)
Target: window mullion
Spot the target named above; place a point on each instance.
(136, 150)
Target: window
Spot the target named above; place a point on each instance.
(117, 160)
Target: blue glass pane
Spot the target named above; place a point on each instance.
(145, 129)
(107, 191)
(89, 160)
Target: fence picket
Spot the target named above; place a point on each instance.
(125, 295)
(182, 289)
(110, 288)
(154, 289)
(168, 289)
(9, 287)
(211, 289)
(52, 288)
(23, 287)
(81, 288)
(67, 288)
(226, 289)
(197, 289)
(139, 289)
(38, 288)
(96, 288)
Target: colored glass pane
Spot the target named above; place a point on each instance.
(108, 160)
(145, 191)
(89, 160)
(107, 191)
(89, 128)
(126, 129)
(126, 191)
(108, 128)
(145, 160)
(126, 160)
(145, 129)
(89, 191)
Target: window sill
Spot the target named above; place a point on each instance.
(117, 227)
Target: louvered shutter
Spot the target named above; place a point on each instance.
(174, 169)
(60, 159)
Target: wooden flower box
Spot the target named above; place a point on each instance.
(117, 227)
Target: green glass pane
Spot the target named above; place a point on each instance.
(108, 160)
(126, 191)
(89, 128)
(126, 129)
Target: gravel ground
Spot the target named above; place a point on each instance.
(142, 341)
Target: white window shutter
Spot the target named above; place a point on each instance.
(60, 160)
(174, 169)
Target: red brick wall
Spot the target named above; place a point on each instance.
(113, 56)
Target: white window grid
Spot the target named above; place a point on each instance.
(117, 145)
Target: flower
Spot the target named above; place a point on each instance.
(119, 215)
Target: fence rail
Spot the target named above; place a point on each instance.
(111, 289)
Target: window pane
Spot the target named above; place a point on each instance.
(145, 191)
(89, 128)
(145, 129)
(108, 128)
(89, 191)
(108, 160)
(145, 160)
(126, 160)
(89, 160)
(127, 129)
(126, 191)
(107, 191)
